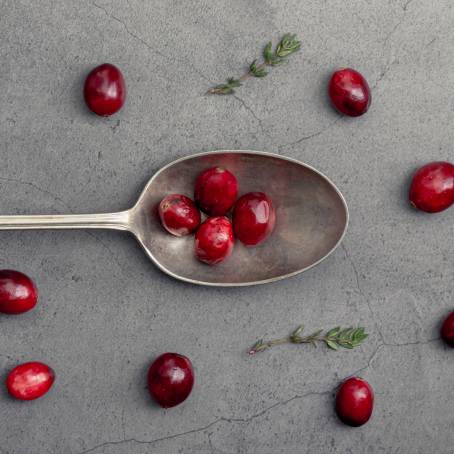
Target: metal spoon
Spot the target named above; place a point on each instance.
(311, 219)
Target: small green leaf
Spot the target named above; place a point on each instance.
(345, 333)
(288, 45)
(257, 71)
(298, 330)
(346, 345)
(277, 61)
(257, 347)
(234, 82)
(333, 332)
(268, 53)
(331, 344)
(226, 89)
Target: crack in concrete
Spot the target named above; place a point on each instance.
(387, 344)
(383, 73)
(33, 185)
(406, 344)
(129, 32)
(123, 422)
(251, 111)
(388, 36)
(355, 270)
(310, 136)
(369, 362)
(149, 46)
(360, 290)
(431, 42)
(407, 4)
(207, 426)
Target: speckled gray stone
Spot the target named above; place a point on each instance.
(105, 311)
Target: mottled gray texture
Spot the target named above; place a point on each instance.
(105, 311)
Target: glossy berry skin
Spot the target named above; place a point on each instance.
(214, 240)
(254, 218)
(349, 92)
(105, 90)
(18, 293)
(354, 402)
(216, 190)
(30, 381)
(170, 379)
(432, 187)
(178, 214)
(447, 330)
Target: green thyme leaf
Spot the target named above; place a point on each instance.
(334, 338)
(257, 71)
(298, 330)
(268, 53)
(286, 46)
(227, 88)
(331, 344)
(333, 332)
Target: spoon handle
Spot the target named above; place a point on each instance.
(116, 221)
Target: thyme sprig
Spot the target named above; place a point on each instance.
(334, 338)
(288, 45)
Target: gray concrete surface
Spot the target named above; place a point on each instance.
(106, 312)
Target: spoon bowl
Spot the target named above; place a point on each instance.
(311, 219)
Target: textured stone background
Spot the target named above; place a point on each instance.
(106, 312)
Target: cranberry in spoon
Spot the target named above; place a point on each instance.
(253, 218)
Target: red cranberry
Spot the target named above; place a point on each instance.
(216, 190)
(170, 379)
(447, 330)
(349, 92)
(179, 215)
(105, 90)
(29, 381)
(214, 240)
(432, 187)
(354, 402)
(253, 218)
(18, 293)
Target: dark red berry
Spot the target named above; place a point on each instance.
(179, 215)
(354, 402)
(29, 381)
(253, 218)
(215, 191)
(447, 330)
(349, 92)
(18, 293)
(170, 379)
(105, 90)
(214, 240)
(432, 187)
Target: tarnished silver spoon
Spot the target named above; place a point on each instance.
(311, 219)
